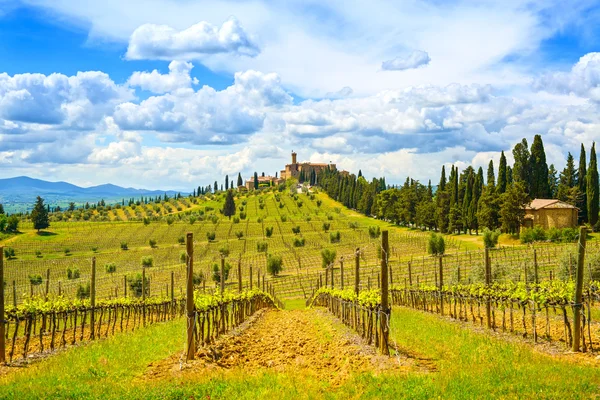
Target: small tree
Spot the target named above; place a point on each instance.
(152, 243)
(335, 237)
(39, 215)
(436, 245)
(490, 238)
(229, 207)
(274, 264)
(217, 272)
(328, 257)
(147, 261)
(110, 267)
(269, 231)
(374, 232)
(135, 284)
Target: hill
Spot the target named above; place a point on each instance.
(18, 194)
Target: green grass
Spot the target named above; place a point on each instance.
(469, 365)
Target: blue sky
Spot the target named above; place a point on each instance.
(173, 94)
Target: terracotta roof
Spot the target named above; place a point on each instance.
(538, 204)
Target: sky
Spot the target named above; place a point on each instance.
(173, 94)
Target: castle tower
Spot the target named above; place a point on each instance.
(293, 157)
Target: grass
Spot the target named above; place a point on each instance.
(469, 364)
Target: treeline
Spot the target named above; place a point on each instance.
(466, 201)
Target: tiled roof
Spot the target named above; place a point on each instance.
(538, 204)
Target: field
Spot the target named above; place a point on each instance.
(247, 347)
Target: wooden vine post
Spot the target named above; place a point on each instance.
(240, 276)
(2, 323)
(93, 299)
(190, 297)
(222, 276)
(342, 272)
(488, 279)
(124, 285)
(384, 320)
(357, 271)
(579, 288)
(535, 267)
(144, 296)
(410, 274)
(441, 269)
(47, 283)
(251, 277)
(332, 277)
(172, 287)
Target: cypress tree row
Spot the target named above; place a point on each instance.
(502, 179)
(538, 183)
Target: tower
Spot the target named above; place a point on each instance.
(293, 157)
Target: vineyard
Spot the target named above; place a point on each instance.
(81, 281)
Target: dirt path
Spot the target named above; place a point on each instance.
(304, 341)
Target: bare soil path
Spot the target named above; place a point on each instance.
(303, 341)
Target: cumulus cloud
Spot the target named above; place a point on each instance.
(415, 59)
(162, 42)
(583, 79)
(207, 116)
(177, 78)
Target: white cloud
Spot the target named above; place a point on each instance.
(583, 79)
(177, 78)
(162, 42)
(412, 60)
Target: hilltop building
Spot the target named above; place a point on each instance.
(550, 213)
(263, 181)
(295, 169)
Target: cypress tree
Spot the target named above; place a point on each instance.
(509, 176)
(226, 182)
(582, 183)
(538, 184)
(442, 185)
(592, 188)
(501, 187)
(229, 207)
(491, 179)
(1, 209)
(567, 179)
(255, 180)
(39, 215)
(521, 171)
(240, 182)
(552, 181)
(216, 188)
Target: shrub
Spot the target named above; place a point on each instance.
(319, 202)
(110, 267)
(9, 253)
(261, 206)
(296, 229)
(274, 264)
(38, 253)
(490, 238)
(300, 203)
(299, 242)
(329, 217)
(83, 291)
(124, 246)
(242, 215)
(135, 284)
(283, 218)
(146, 221)
(327, 257)
(152, 243)
(281, 205)
(236, 220)
(239, 234)
(214, 219)
(192, 219)
(211, 236)
(262, 247)
(147, 261)
(326, 226)
(35, 279)
(217, 272)
(183, 257)
(181, 239)
(353, 225)
(335, 237)
(308, 218)
(224, 251)
(73, 273)
(67, 251)
(374, 232)
(530, 235)
(436, 245)
(269, 231)
(170, 220)
(197, 278)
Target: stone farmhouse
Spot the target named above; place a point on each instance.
(550, 213)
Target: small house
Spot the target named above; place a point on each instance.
(550, 213)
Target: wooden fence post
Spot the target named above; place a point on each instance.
(240, 276)
(357, 271)
(93, 299)
(384, 320)
(191, 345)
(441, 287)
(2, 323)
(251, 277)
(488, 279)
(14, 293)
(172, 287)
(332, 276)
(409, 274)
(125, 286)
(579, 288)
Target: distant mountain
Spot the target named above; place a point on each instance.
(18, 194)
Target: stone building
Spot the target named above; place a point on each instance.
(550, 213)
(294, 169)
(263, 181)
